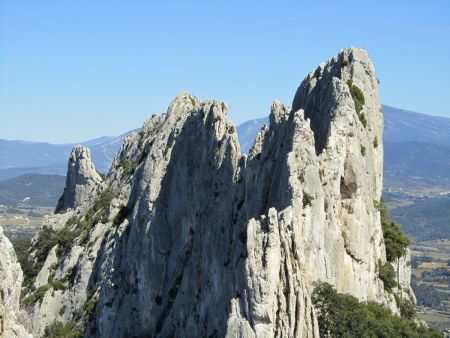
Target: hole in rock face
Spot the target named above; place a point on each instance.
(348, 180)
(347, 188)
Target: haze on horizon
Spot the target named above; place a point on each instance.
(72, 71)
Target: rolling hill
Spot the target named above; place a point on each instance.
(32, 190)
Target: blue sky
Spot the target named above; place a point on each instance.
(75, 70)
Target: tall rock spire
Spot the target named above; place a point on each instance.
(82, 181)
(197, 240)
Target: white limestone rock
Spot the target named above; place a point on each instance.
(82, 181)
(199, 240)
(10, 285)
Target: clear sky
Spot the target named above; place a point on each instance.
(75, 70)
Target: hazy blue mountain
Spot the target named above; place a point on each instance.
(425, 219)
(416, 165)
(247, 132)
(104, 152)
(417, 151)
(406, 126)
(98, 141)
(32, 190)
(21, 157)
(18, 154)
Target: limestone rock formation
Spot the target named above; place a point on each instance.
(10, 283)
(82, 180)
(189, 238)
(403, 269)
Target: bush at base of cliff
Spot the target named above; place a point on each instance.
(387, 274)
(394, 237)
(341, 315)
(60, 330)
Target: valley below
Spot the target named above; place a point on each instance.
(431, 281)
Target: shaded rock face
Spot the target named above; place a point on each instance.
(10, 283)
(82, 181)
(198, 240)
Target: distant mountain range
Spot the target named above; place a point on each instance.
(417, 152)
(23, 157)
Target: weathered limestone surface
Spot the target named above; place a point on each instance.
(198, 240)
(10, 282)
(403, 265)
(349, 169)
(82, 181)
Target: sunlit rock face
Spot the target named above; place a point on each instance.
(10, 282)
(82, 182)
(189, 238)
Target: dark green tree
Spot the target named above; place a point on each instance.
(341, 315)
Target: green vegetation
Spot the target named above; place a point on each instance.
(345, 63)
(363, 120)
(60, 330)
(375, 142)
(47, 239)
(58, 284)
(21, 248)
(359, 101)
(394, 238)
(396, 244)
(357, 96)
(429, 296)
(430, 281)
(43, 190)
(64, 238)
(363, 150)
(407, 309)
(127, 166)
(37, 295)
(387, 274)
(341, 315)
(70, 276)
(307, 200)
(74, 328)
(425, 219)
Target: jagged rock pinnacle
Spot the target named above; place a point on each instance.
(199, 241)
(82, 180)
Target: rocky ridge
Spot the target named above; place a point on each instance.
(10, 285)
(187, 237)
